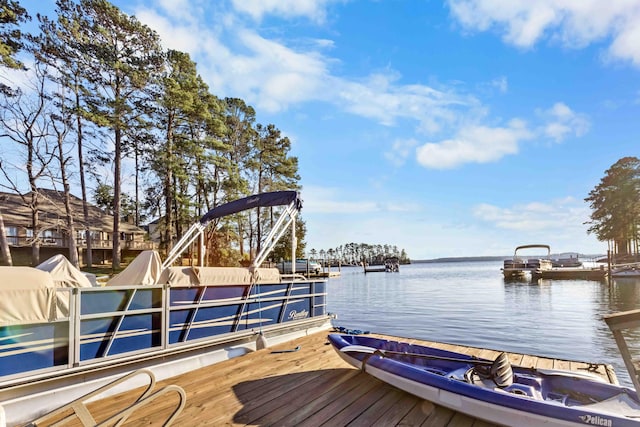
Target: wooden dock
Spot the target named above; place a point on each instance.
(326, 274)
(310, 386)
(570, 273)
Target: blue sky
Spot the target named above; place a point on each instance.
(455, 128)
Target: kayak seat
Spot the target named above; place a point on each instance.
(500, 372)
(472, 376)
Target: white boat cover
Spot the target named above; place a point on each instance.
(27, 295)
(32, 295)
(235, 275)
(64, 274)
(145, 269)
(211, 276)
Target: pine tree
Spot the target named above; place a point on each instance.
(615, 205)
(123, 58)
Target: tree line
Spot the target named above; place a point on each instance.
(101, 93)
(356, 253)
(615, 207)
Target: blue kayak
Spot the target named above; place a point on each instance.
(492, 390)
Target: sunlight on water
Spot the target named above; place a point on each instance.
(470, 303)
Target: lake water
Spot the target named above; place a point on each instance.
(470, 303)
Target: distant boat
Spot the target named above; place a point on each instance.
(566, 261)
(626, 270)
(518, 266)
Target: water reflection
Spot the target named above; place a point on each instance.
(471, 304)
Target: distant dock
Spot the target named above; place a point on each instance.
(326, 274)
(570, 273)
(391, 265)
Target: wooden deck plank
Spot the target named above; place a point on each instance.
(349, 381)
(398, 412)
(418, 414)
(357, 409)
(309, 387)
(544, 363)
(529, 361)
(290, 398)
(376, 411)
(261, 401)
(440, 417)
(482, 423)
(461, 420)
(251, 393)
(304, 397)
(516, 359)
(561, 364)
(340, 401)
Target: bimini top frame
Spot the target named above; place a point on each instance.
(547, 247)
(275, 198)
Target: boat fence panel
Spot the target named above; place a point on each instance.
(115, 322)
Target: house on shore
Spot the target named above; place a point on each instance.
(53, 236)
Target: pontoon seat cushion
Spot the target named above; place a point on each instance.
(212, 276)
(235, 275)
(178, 276)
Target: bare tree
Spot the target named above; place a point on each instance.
(60, 122)
(24, 122)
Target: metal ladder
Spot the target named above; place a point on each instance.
(81, 412)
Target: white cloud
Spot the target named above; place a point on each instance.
(556, 217)
(330, 200)
(274, 75)
(314, 10)
(575, 24)
(482, 144)
(400, 150)
(501, 84)
(182, 31)
(382, 98)
(561, 121)
(270, 75)
(474, 144)
(559, 223)
(181, 9)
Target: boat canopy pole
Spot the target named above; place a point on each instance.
(287, 217)
(294, 246)
(192, 234)
(275, 198)
(547, 247)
